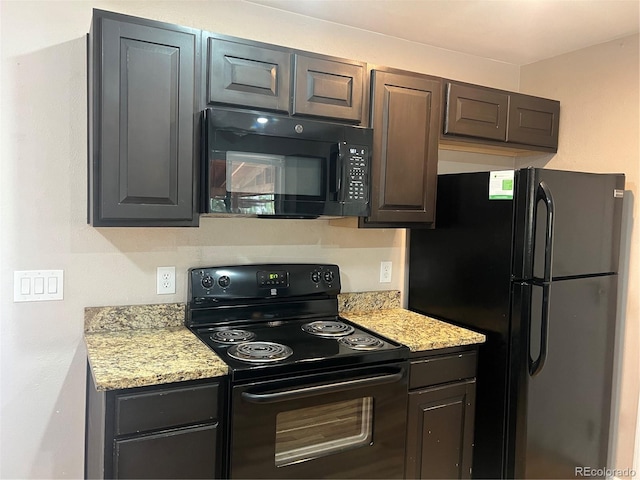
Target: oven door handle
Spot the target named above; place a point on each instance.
(302, 392)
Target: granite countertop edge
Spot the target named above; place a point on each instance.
(141, 345)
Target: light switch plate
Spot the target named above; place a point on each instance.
(38, 285)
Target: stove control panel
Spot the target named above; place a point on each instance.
(263, 280)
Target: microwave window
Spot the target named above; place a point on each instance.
(312, 432)
(253, 173)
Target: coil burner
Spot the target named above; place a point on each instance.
(362, 342)
(232, 336)
(260, 352)
(325, 328)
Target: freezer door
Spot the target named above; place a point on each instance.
(585, 211)
(560, 413)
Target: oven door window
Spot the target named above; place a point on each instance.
(313, 432)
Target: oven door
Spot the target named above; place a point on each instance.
(348, 424)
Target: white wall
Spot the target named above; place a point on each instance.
(599, 132)
(43, 207)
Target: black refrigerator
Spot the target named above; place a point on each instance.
(529, 258)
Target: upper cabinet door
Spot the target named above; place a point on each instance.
(247, 75)
(405, 120)
(533, 121)
(486, 116)
(142, 114)
(329, 88)
(476, 112)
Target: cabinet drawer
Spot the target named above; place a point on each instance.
(188, 453)
(141, 412)
(442, 369)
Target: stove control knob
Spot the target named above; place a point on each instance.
(207, 281)
(315, 277)
(224, 281)
(328, 277)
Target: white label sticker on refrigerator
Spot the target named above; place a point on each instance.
(501, 185)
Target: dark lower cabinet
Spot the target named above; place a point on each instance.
(165, 431)
(185, 453)
(441, 416)
(142, 122)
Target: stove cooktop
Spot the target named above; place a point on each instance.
(303, 351)
(285, 315)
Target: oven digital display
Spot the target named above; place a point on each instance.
(273, 278)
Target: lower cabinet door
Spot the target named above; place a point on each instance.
(184, 453)
(440, 431)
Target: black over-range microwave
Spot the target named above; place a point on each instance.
(262, 164)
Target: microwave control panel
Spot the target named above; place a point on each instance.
(357, 163)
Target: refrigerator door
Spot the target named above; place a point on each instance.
(587, 211)
(560, 415)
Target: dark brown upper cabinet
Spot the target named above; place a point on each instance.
(405, 116)
(328, 88)
(533, 121)
(268, 77)
(476, 112)
(142, 115)
(247, 75)
(482, 115)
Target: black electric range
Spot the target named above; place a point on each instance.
(272, 320)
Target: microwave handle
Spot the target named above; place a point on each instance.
(335, 173)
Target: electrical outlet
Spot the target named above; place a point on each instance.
(385, 272)
(166, 280)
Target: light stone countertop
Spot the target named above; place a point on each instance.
(140, 345)
(136, 358)
(418, 332)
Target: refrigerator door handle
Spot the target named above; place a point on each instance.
(535, 366)
(543, 193)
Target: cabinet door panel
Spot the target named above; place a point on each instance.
(328, 88)
(145, 163)
(405, 115)
(534, 121)
(476, 112)
(440, 431)
(187, 453)
(247, 75)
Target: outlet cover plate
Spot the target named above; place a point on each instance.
(385, 272)
(166, 280)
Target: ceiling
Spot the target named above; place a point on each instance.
(513, 31)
